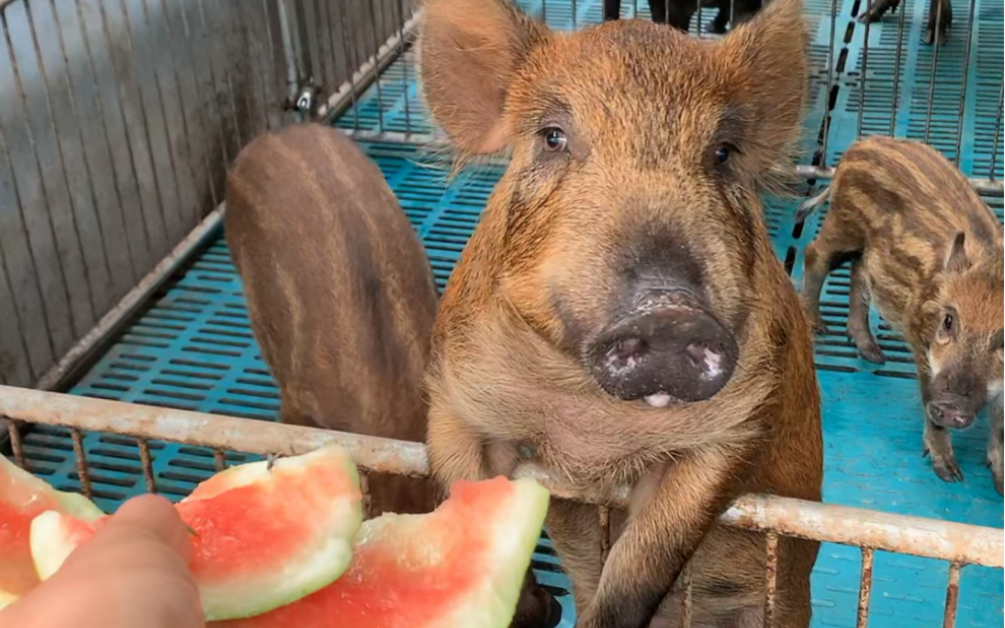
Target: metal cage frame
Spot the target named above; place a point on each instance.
(959, 544)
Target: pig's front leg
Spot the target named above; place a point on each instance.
(996, 434)
(662, 535)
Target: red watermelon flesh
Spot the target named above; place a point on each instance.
(22, 497)
(262, 537)
(461, 566)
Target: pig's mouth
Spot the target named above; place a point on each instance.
(663, 354)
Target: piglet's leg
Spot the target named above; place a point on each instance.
(858, 316)
(661, 537)
(996, 434)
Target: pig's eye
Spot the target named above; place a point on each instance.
(555, 140)
(948, 322)
(723, 153)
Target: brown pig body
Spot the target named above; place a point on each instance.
(928, 251)
(339, 290)
(619, 315)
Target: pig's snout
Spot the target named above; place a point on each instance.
(664, 353)
(947, 414)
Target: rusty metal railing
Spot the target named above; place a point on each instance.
(958, 544)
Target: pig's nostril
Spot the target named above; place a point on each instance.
(709, 361)
(626, 353)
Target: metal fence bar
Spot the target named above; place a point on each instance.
(897, 64)
(936, 45)
(770, 580)
(994, 144)
(955, 542)
(963, 91)
(864, 74)
(952, 596)
(865, 588)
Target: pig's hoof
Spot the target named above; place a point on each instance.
(871, 352)
(947, 469)
(939, 37)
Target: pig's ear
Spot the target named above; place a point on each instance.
(957, 260)
(469, 52)
(766, 62)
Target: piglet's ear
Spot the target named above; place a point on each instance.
(765, 62)
(957, 260)
(469, 51)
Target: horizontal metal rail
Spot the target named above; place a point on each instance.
(954, 542)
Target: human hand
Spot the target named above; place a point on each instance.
(133, 573)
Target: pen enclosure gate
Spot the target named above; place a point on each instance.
(118, 119)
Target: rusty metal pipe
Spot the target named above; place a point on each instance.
(955, 542)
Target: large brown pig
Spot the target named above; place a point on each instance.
(619, 315)
(928, 251)
(340, 293)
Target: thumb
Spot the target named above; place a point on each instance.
(152, 515)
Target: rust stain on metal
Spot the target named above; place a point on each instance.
(685, 602)
(219, 460)
(770, 579)
(364, 486)
(82, 472)
(16, 444)
(865, 588)
(952, 596)
(147, 463)
(604, 513)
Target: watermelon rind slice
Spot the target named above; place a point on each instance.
(323, 553)
(71, 503)
(494, 602)
(323, 559)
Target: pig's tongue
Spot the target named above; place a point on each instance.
(658, 400)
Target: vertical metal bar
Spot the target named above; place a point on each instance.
(16, 444)
(18, 324)
(78, 453)
(831, 63)
(211, 99)
(45, 197)
(226, 80)
(286, 31)
(219, 459)
(125, 124)
(575, 15)
(604, 514)
(952, 594)
(770, 580)
(172, 61)
(249, 41)
(5, 151)
(686, 599)
(269, 46)
(998, 127)
(326, 47)
(167, 127)
(376, 55)
(364, 487)
(963, 83)
(198, 109)
(865, 588)
(864, 75)
(147, 463)
(70, 90)
(353, 66)
(701, 28)
(99, 106)
(57, 139)
(544, 11)
(405, 62)
(898, 60)
(935, 65)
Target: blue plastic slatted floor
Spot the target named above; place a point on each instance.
(192, 347)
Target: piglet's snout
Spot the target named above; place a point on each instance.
(949, 415)
(664, 354)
